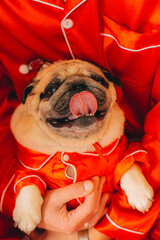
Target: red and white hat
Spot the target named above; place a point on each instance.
(34, 66)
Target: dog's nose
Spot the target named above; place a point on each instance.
(83, 103)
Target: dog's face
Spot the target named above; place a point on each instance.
(71, 99)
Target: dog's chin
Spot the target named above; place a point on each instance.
(71, 121)
(80, 127)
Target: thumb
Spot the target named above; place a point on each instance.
(75, 190)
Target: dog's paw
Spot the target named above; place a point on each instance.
(26, 221)
(139, 192)
(27, 211)
(141, 197)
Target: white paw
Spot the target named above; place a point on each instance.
(141, 197)
(26, 221)
(27, 211)
(139, 192)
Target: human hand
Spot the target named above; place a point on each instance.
(56, 217)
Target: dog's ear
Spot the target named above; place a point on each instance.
(111, 78)
(28, 89)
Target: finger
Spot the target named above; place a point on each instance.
(88, 209)
(93, 199)
(54, 206)
(70, 192)
(100, 213)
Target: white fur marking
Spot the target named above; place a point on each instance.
(27, 211)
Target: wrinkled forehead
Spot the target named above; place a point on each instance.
(64, 69)
(72, 67)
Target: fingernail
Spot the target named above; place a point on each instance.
(88, 185)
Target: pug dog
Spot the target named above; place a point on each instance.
(69, 114)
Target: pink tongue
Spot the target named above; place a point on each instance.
(83, 103)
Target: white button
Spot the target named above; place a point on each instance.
(68, 23)
(24, 69)
(66, 157)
